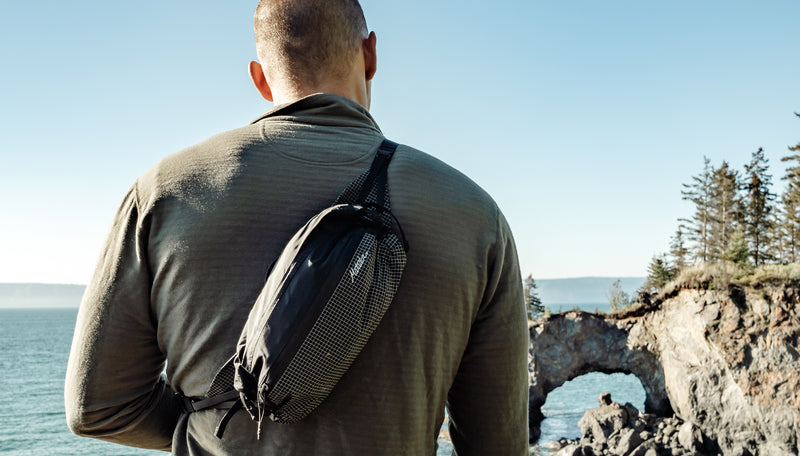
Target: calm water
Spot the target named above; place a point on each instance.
(34, 347)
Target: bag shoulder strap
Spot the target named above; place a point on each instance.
(364, 189)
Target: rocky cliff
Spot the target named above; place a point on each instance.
(724, 361)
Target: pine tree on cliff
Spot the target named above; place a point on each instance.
(738, 252)
(678, 250)
(779, 243)
(532, 300)
(699, 193)
(725, 213)
(659, 272)
(757, 206)
(790, 220)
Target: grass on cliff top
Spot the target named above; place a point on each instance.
(719, 276)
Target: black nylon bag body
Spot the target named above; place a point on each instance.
(322, 300)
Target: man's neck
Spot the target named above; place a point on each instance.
(352, 88)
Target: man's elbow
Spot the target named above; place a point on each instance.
(108, 424)
(83, 419)
(79, 422)
(76, 424)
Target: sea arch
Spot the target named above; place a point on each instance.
(566, 346)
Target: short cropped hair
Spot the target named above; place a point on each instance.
(304, 40)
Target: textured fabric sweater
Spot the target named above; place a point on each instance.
(187, 255)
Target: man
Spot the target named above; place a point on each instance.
(194, 236)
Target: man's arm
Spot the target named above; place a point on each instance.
(488, 401)
(114, 388)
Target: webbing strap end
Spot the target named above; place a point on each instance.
(191, 405)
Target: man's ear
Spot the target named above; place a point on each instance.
(260, 81)
(370, 56)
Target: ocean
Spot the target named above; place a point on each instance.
(34, 347)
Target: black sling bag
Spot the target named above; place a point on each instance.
(323, 298)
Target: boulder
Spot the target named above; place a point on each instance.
(649, 448)
(599, 423)
(628, 440)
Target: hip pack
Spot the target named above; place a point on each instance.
(323, 298)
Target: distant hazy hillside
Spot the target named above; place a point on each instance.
(583, 290)
(40, 295)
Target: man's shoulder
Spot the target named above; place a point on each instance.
(204, 166)
(438, 180)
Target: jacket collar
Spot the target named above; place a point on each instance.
(322, 109)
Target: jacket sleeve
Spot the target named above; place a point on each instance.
(488, 401)
(115, 388)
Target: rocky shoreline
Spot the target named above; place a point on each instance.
(720, 369)
(622, 430)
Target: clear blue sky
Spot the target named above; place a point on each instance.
(581, 118)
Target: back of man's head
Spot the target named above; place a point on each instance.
(303, 41)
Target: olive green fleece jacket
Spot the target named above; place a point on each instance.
(187, 255)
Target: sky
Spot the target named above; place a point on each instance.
(581, 118)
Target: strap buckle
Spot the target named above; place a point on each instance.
(196, 404)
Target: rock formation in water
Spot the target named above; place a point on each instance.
(724, 362)
(622, 430)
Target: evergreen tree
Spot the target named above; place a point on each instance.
(699, 193)
(723, 210)
(790, 201)
(757, 206)
(678, 250)
(737, 249)
(779, 244)
(533, 303)
(659, 273)
(786, 229)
